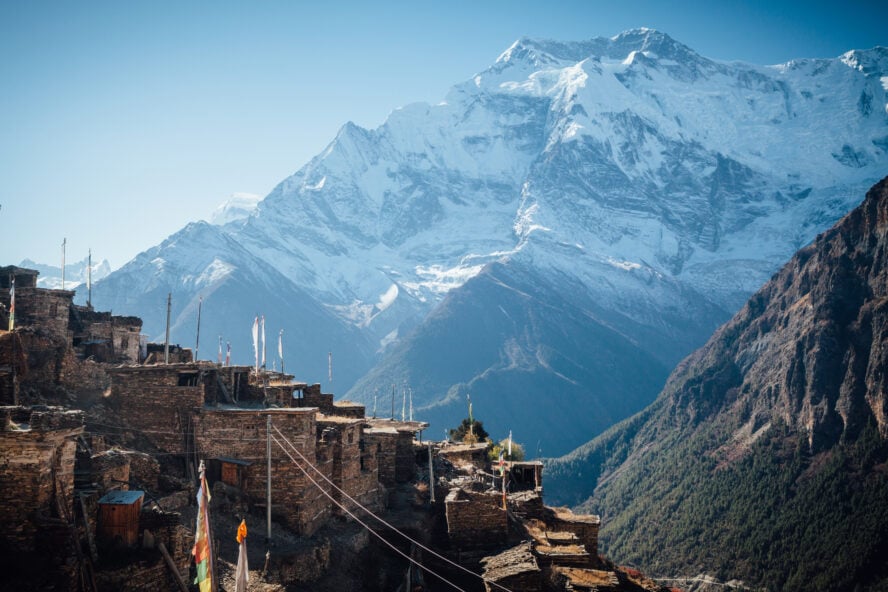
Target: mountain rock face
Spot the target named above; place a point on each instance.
(552, 238)
(765, 458)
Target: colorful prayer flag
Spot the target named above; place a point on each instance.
(202, 550)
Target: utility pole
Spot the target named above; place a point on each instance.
(89, 289)
(64, 240)
(431, 474)
(197, 341)
(166, 342)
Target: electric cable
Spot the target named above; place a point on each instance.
(364, 524)
(382, 521)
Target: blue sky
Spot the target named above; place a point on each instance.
(120, 122)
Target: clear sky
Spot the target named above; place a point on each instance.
(120, 122)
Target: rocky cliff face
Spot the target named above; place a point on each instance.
(767, 448)
(810, 349)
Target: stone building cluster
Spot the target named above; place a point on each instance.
(102, 441)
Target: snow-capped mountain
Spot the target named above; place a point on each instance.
(595, 209)
(237, 207)
(76, 273)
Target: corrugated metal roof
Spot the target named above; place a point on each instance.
(123, 498)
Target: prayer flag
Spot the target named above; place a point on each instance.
(242, 573)
(263, 341)
(202, 550)
(12, 304)
(256, 341)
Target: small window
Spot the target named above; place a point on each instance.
(54, 309)
(188, 379)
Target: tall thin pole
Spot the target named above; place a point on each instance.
(393, 401)
(431, 474)
(89, 275)
(166, 341)
(197, 341)
(268, 479)
(404, 405)
(330, 366)
(64, 240)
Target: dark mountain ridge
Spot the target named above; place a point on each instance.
(765, 456)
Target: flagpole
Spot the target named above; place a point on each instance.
(89, 289)
(15, 398)
(197, 341)
(268, 480)
(64, 240)
(166, 343)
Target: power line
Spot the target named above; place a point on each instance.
(361, 522)
(370, 512)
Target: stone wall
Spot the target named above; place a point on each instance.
(110, 470)
(241, 434)
(313, 397)
(37, 453)
(80, 375)
(149, 399)
(47, 309)
(475, 519)
(383, 443)
(405, 457)
(348, 471)
(585, 526)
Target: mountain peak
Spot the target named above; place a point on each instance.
(541, 52)
(872, 61)
(239, 206)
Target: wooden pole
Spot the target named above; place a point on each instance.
(431, 474)
(166, 342)
(89, 289)
(268, 480)
(64, 240)
(197, 341)
(171, 564)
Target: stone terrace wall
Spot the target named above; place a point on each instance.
(585, 526)
(475, 519)
(36, 464)
(241, 434)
